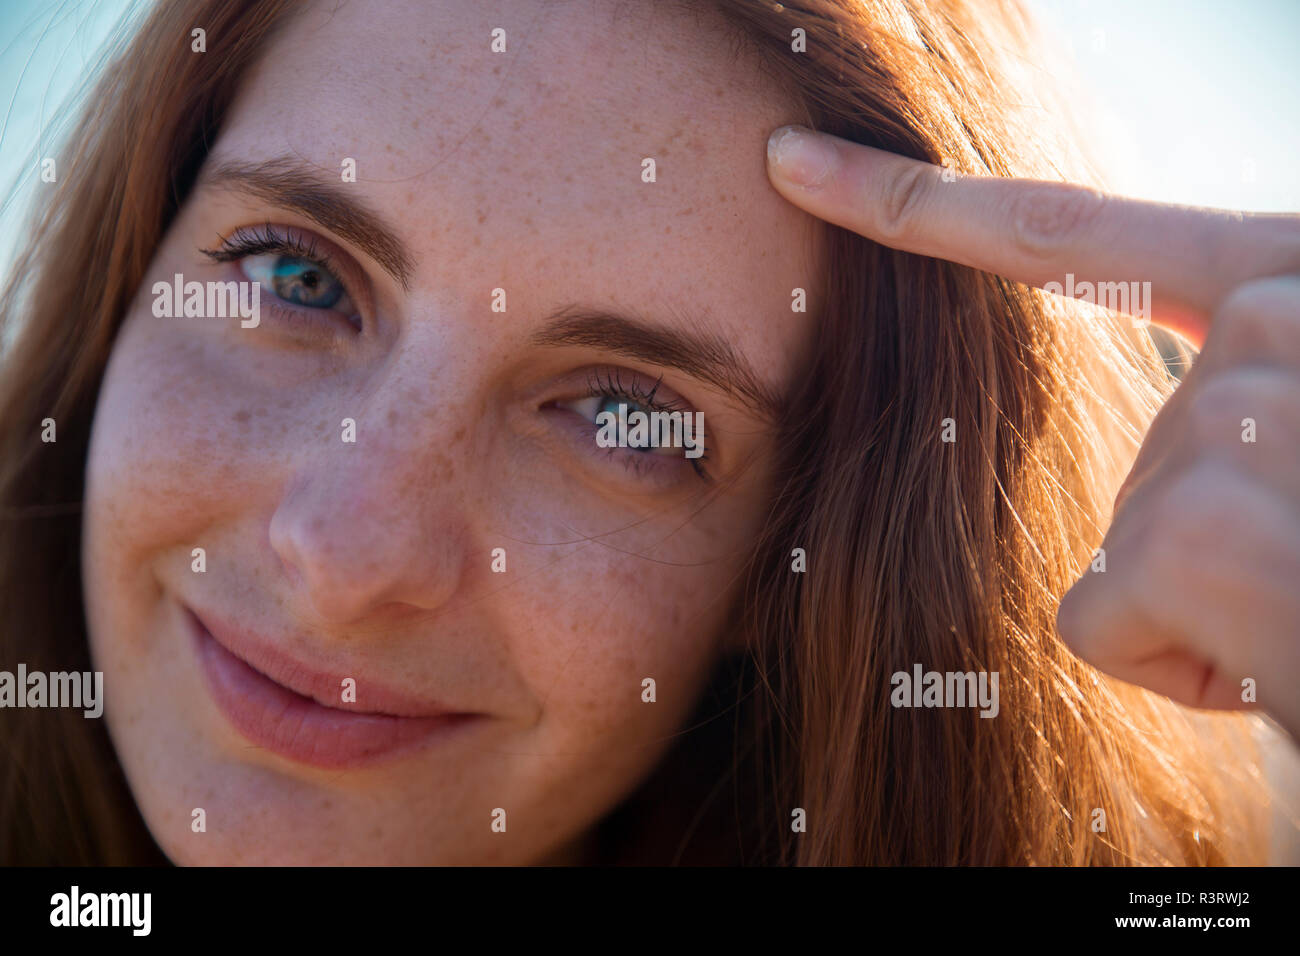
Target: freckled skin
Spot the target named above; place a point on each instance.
(518, 171)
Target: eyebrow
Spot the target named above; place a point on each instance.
(699, 354)
(290, 184)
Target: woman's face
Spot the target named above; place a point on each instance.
(351, 672)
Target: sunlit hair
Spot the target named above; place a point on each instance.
(951, 555)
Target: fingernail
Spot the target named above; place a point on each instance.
(800, 156)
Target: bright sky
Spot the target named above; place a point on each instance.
(1197, 99)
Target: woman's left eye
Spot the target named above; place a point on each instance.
(620, 408)
(650, 433)
(298, 280)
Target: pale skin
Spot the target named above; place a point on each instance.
(1203, 552)
(374, 560)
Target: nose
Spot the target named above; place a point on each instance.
(377, 522)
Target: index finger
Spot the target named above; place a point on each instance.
(1038, 232)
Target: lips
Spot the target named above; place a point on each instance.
(284, 706)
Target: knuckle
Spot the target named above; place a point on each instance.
(902, 199)
(1194, 516)
(1221, 405)
(1262, 313)
(1269, 294)
(1218, 405)
(1046, 218)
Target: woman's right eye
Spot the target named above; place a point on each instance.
(298, 281)
(298, 272)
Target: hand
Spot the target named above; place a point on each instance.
(1206, 528)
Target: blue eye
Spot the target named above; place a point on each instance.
(301, 281)
(648, 427)
(620, 407)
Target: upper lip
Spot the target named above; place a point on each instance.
(264, 656)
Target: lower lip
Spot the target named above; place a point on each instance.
(291, 725)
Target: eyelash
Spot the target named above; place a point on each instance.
(609, 384)
(260, 240)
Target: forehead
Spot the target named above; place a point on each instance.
(527, 165)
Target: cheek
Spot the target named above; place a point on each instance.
(170, 452)
(586, 637)
(615, 621)
(168, 461)
(163, 459)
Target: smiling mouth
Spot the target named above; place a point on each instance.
(277, 718)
